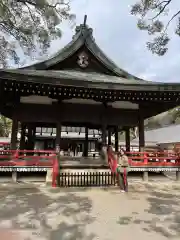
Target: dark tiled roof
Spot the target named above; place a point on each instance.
(119, 78)
(76, 75)
(85, 79)
(82, 37)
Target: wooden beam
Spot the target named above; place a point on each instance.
(86, 143)
(76, 113)
(14, 132)
(141, 131)
(127, 136)
(116, 139)
(58, 136)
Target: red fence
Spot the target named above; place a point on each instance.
(46, 158)
(27, 158)
(43, 158)
(145, 159)
(153, 159)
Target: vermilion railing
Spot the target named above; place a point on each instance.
(46, 158)
(112, 161)
(145, 159)
(27, 158)
(32, 158)
(155, 159)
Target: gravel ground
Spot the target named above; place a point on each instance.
(148, 211)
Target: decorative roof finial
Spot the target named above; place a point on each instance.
(83, 28)
(85, 19)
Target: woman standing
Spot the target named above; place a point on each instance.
(122, 170)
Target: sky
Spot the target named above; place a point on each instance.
(116, 33)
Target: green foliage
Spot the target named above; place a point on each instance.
(5, 126)
(168, 118)
(164, 119)
(32, 24)
(152, 123)
(150, 15)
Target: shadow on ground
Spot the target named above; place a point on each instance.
(60, 216)
(166, 208)
(162, 215)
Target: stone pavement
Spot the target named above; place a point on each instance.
(148, 211)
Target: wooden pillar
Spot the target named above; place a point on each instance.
(109, 137)
(58, 136)
(116, 139)
(104, 136)
(14, 132)
(22, 140)
(127, 136)
(31, 136)
(86, 143)
(57, 148)
(141, 131)
(142, 138)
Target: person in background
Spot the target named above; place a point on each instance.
(122, 170)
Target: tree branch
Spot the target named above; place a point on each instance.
(29, 10)
(175, 15)
(160, 3)
(39, 5)
(163, 8)
(8, 10)
(40, 18)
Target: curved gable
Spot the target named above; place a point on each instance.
(82, 43)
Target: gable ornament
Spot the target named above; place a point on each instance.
(83, 60)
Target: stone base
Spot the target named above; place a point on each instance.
(49, 176)
(14, 176)
(85, 170)
(145, 176)
(177, 176)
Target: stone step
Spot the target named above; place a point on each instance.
(83, 161)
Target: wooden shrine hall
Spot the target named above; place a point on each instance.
(81, 87)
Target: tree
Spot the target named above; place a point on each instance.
(5, 126)
(150, 18)
(30, 25)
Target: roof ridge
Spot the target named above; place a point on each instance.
(83, 35)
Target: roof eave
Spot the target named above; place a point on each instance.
(102, 57)
(61, 55)
(17, 75)
(84, 36)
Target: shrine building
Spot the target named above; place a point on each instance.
(80, 87)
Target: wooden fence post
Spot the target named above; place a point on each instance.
(145, 173)
(55, 172)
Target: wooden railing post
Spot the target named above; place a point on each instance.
(145, 158)
(55, 172)
(14, 173)
(145, 173)
(58, 169)
(16, 154)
